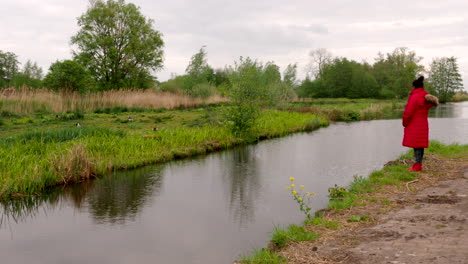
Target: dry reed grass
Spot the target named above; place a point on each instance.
(27, 100)
(73, 166)
(460, 97)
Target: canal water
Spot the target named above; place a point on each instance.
(210, 209)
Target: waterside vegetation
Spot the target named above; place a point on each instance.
(361, 202)
(61, 143)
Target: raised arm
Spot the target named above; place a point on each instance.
(431, 100)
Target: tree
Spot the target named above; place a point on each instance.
(444, 79)
(363, 84)
(336, 77)
(276, 91)
(118, 45)
(246, 93)
(318, 59)
(198, 66)
(32, 70)
(9, 66)
(309, 88)
(395, 72)
(30, 76)
(343, 78)
(290, 75)
(200, 76)
(69, 76)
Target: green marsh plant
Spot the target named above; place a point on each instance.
(301, 197)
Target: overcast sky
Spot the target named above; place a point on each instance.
(274, 30)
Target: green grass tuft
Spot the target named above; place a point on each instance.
(281, 237)
(446, 150)
(358, 218)
(263, 256)
(319, 221)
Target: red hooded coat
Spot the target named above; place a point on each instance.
(415, 120)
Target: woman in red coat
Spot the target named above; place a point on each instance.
(415, 121)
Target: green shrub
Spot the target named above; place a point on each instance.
(72, 115)
(337, 192)
(173, 86)
(387, 94)
(202, 90)
(68, 75)
(242, 117)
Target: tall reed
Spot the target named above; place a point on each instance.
(26, 100)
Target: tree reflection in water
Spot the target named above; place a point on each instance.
(119, 198)
(112, 199)
(443, 110)
(241, 174)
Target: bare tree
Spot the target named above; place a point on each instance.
(318, 59)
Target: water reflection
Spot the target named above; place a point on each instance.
(114, 199)
(119, 198)
(241, 176)
(443, 110)
(452, 110)
(21, 210)
(206, 210)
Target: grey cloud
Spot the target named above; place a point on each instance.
(268, 30)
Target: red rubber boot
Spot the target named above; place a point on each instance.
(416, 167)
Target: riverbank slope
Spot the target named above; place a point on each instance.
(42, 149)
(413, 220)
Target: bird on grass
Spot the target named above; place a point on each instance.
(78, 124)
(130, 119)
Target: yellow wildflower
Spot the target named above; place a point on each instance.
(291, 178)
(293, 185)
(308, 193)
(302, 186)
(300, 198)
(294, 192)
(287, 187)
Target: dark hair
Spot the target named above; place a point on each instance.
(419, 83)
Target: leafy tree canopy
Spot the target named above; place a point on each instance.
(9, 66)
(444, 78)
(118, 45)
(68, 75)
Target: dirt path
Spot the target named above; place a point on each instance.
(432, 229)
(422, 222)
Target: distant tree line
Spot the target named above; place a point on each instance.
(390, 76)
(117, 47)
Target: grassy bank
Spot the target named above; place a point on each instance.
(31, 161)
(359, 205)
(41, 146)
(459, 97)
(343, 109)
